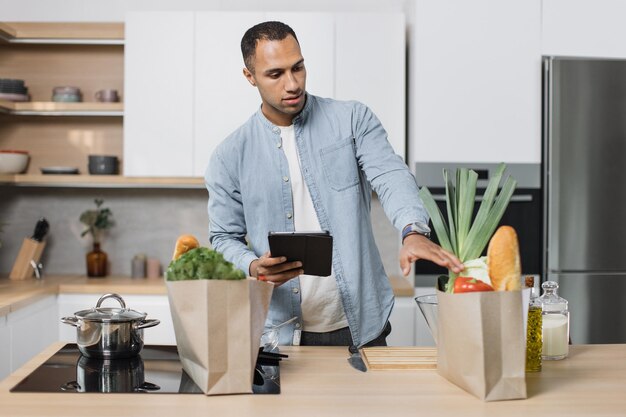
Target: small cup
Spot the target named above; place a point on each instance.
(153, 267)
(107, 96)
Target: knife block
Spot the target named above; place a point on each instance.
(30, 250)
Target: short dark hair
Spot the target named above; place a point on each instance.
(271, 31)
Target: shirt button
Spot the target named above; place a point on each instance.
(289, 215)
(286, 179)
(279, 145)
(276, 130)
(298, 325)
(295, 290)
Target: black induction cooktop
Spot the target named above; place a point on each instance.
(157, 370)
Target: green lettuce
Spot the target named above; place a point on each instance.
(202, 263)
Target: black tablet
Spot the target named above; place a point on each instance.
(313, 249)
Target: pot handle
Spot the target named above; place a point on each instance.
(116, 296)
(147, 386)
(71, 386)
(148, 323)
(72, 321)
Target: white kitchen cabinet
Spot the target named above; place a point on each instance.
(402, 321)
(317, 34)
(158, 94)
(185, 90)
(32, 329)
(476, 67)
(219, 110)
(5, 348)
(156, 306)
(222, 93)
(583, 28)
(370, 67)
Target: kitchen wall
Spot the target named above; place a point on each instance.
(149, 220)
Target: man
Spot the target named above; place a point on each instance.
(304, 163)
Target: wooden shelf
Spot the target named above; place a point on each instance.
(100, 181)
(62, 33)
(50, 108)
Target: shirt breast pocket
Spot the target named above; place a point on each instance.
(340, 165)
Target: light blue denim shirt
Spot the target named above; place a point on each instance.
(344, 154)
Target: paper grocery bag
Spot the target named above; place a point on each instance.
(481, 343)
(218, 326)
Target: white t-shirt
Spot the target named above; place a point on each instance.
(322, 309)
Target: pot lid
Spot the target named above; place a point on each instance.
(107, 314)
(110, 314)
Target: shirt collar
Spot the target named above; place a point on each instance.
(296, 120)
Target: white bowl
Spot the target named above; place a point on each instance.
(13, 162)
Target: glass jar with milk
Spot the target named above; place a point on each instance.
(555, 323)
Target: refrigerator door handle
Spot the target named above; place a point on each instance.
(518, 198)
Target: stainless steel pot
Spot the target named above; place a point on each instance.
(109, 333)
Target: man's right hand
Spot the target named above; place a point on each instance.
(276, 270)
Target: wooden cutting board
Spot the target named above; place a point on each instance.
(400, 358)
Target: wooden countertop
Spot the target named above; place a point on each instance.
(318, 381)
(20, 293)
(17, 294)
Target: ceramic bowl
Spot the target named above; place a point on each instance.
(13, 162)
(68, 98)
(66, 90)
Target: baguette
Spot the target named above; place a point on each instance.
(184, 243)
(504, 261)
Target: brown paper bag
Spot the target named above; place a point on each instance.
(481, 343)
(218, 326)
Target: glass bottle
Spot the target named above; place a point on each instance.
(555, 323)
(534, 343)
(96, 262)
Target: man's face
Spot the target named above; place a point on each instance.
(280, 77)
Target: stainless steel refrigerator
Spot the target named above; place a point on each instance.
(584, 129)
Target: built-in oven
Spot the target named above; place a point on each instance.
(524, 213)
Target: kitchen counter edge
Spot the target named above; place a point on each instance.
(16, 294)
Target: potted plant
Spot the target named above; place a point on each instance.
(97, 221)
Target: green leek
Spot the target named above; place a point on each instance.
(460, 235)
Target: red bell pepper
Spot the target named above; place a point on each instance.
(469, 284)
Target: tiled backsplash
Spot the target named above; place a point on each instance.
(147, 221)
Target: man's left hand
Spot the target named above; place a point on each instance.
(420, 247)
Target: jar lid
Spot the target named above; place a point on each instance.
(550, 300)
